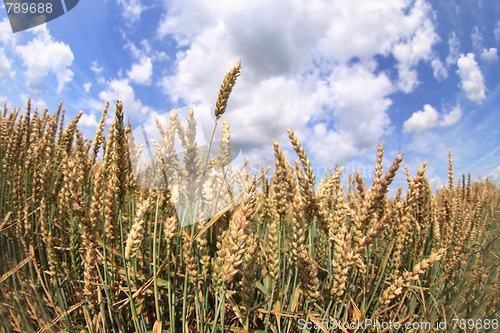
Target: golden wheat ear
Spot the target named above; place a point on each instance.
(226, 88)
(136, 234)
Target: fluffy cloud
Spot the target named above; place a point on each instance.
(417, 48)
(430, 118)
(122, 90)
(494, 176)
(359, 108)
(132, 9)
(472, 78)
(439, 70)
(6, 36)
(454, 49)
(94, 67)
(42, 56)
(88, 121)
(5, 66)
(477, 39)
(35, 103)
(309, 66)
(452, 118)
(436, 183)
(98, 72)
(141, 72)
(489, 55)
(86, 87)
(422, 120)
(408, 78)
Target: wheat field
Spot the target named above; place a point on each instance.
(84, 248)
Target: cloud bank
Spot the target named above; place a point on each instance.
(308, 65)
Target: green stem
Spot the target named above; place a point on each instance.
(127, 266)
(171, 308)
(218, 306)
(184, 302)
(269, 309)
(157, 306)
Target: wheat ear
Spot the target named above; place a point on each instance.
(136, 234)
(226, 88)
(403, 281)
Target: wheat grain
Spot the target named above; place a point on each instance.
(189, 258)
(226, 88)
(98, 138)
(136, 234)
(274, 259)
(450, 172)
(403, 281)
(306, 164)
(309, 276)
(234, 243)
(119, 157)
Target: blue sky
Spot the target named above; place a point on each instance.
(420, 76)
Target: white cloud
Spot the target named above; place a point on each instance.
(94, 67)
(98, 71)
(436, 183)
(121, 89)
(489, 55)
(452, 118)
(35, 103)
(430, 118)
(417, 48)
(139, 52)
(297, 62)
(42, 56)
(88, 121)
(6, 36)
(454, 49)
(86, 87)
(5, 66)
(141, 72)
(285, 36)
(472, 78)
(132, 9)
(408, 79)
(422, 120)
(155, 55)
(439, 70)
(477, 39)
(5, 27)
(494, 176)
(359, 108)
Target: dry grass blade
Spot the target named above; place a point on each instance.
(14, 270)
